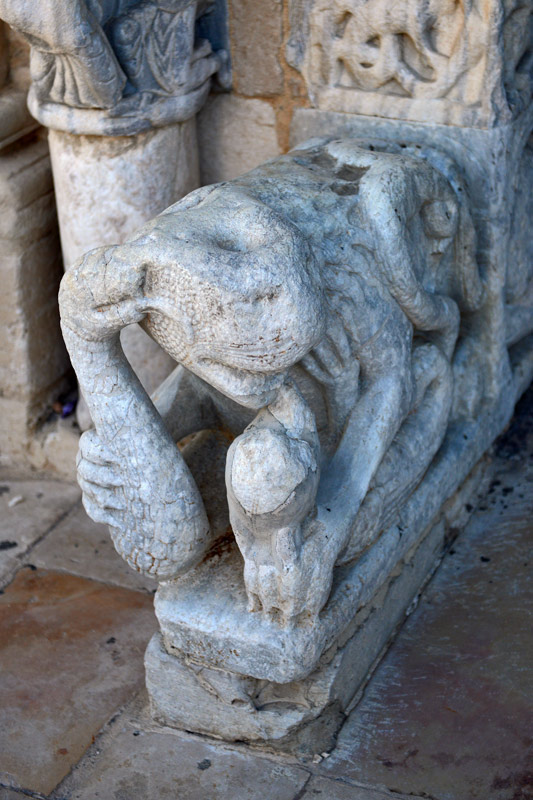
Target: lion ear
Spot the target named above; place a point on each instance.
(103, 292)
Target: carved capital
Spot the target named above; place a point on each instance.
(114, 68)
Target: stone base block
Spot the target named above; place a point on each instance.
(302, 715)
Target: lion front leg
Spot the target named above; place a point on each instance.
(130, 470)
(272, 478)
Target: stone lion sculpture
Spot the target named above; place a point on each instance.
(313, 306)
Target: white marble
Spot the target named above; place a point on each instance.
(107, 187)
(276, 283)
(118, 84)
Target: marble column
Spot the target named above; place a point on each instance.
(118, 85)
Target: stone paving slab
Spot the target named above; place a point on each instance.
(446, 716)
(83, 547)
(449, 712)
(329, 789)
(28, 509)
(135, 760)
(11, 794)
(71, 653)
(8, 566)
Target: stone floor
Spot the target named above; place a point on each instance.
(447, 715)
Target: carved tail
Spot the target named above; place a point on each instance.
(164, 529)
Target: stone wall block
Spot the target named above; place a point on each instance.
(33, 362)
(31, 221)
(25, 172)
(31, 319)
(234, 135)
(256, 38)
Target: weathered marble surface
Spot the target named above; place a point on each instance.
(107, 187)
(118, 85)
(302, 713)
(496, 170)
(336, 318)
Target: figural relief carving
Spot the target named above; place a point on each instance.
(408, 49)
(391, 59)
(314, 307)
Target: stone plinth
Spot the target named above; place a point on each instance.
(216, 670)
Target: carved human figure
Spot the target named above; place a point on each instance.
(314, 306)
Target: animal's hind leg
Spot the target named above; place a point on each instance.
(386, 398)
(411, 452)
